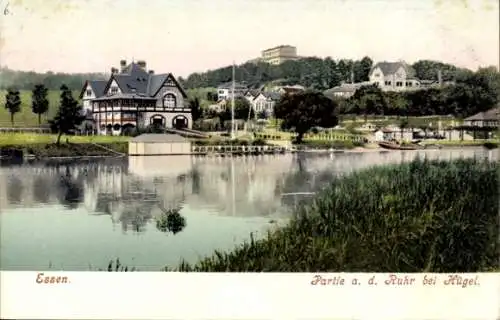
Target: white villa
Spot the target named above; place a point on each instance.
(135, 98)
(265, 102)
(388, 76)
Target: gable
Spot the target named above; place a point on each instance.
(167, 80)
(375, 71)
(86, 87)
(113, 84)
(260, 97)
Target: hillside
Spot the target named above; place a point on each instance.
(310, 72)
(26, 118)
(316, 73)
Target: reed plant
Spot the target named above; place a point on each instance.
(422, 216)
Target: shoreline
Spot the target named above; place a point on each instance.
(88, 151)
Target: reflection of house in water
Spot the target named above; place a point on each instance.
(132, 197)
(169, 176)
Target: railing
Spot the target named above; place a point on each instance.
(237, 149)
(334, 137)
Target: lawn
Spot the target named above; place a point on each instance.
(33, 138)
(26, 118)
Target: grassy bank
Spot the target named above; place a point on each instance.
(47, 150)
(423, 216)
(15, 138)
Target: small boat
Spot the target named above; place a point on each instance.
(396, 146)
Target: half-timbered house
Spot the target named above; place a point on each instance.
(135, 98)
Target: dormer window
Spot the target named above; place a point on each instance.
(88, 93)
(169, 101)
(114, 90)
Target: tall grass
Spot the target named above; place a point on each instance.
(423, 216)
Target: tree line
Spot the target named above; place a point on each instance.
(473, 92)
(312, 72)
(27, 80)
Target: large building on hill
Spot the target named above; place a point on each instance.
(135, 98)
(279, 54)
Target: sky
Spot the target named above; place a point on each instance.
(185, 36)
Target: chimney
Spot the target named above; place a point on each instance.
(142, 64)
(114, 70)
(440, 78)
(123, 64)
(151, 72)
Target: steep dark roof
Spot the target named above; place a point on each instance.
(389, 68)
(134, 79)
(97, 87)
(137, 96)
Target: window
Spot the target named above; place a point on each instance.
(399, 84)
(114, 90)
(169, 101)
(89, 93)
(377, 75)
(409, 84)
(388, 83)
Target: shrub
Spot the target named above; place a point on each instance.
(423, 216)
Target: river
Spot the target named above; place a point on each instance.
(79, 215)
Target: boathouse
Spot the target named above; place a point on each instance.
(158, 145)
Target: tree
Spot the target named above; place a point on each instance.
(305, 110)
(368, 100)
(196, 111)
(39, 101)
(12, 103)
(396, 103)
(362, 69)
(241, 110)
(69, 116)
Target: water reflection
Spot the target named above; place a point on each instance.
(64, 215)
(136, 191)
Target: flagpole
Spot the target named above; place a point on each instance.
(232, 105)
